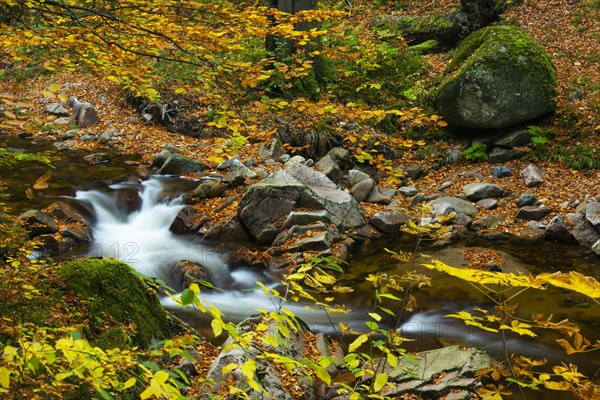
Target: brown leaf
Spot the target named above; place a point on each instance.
(42, 182)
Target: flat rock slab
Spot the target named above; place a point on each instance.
(480, 191)
(437, 372)
(532, 213)
(445, 204)
(390, 221)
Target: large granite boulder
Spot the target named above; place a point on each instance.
(266, 205)
(499, 77)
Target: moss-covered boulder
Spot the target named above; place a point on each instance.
(114, 290)
(499, 77)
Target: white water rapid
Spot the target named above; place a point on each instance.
(142, 239)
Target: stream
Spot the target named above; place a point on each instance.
(141, 237)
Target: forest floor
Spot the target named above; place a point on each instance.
(567, 30)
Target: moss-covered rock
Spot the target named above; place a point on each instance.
(114, 289)
(499, 77)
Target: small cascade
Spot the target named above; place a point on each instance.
(142, 237)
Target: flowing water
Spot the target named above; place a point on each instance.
(139, 234)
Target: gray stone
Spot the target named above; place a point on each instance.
(453, 156)
(231, 230)
(76, 233)
(444, 186)
(66, 145)
(330, 168)
(86, 137)
(463, 219)
(355, 176)
(186, 220)
(57, 109)
(487, 222)
(438, 372)
(203, 188)
(318, 242)
(171, 148)
(596, 248)
(408, 191)
(271, 151)
(527, 199)
(446, 204)
(479, 191)
(380, 195)
(414, 171)
(84, 114)
(97, 158)
(178, 164)
(498, 77)
(516, 138)
(159, 158)
(557, 231)
(284, 158)
(234, 178)
(389, 221)
(488, 204)
(532, 176)
(38, 223)
(304, 218)
(341, 156)
(529, 213)
(237, 165)
(70, 134)
(592, 213)
(502, 155)
(361, 190)
(418, 198)
(500, 171)
(270, 201)
(106, 136)
(583, 231)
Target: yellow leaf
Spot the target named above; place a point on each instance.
(129, 383)
(228, 368)
(358, 342)
(4, 377)
(380, 381)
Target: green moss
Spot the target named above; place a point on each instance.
(425, 47)
(415, 25)
(488, 44)
(114, 289)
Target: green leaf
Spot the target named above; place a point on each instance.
(187, 297)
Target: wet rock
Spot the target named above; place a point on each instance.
(487, 222)
(408, 191)
(380, 195)
(355, 176)
(501, 172)
(317, 242)
(187, 220)
(532, 176)
(330, 168)
(297, 230)
(389, 221)
(178, 164)
(69, 214)
(189, 272)
(304, 218)
(557, 231)
(446, 204)
(53, 244)
(596, 248)
(76, 233)
(592, 213)
(530, 213)
(527, 199)
(57, 109)
(488, 204)
(83, 114)
(583, 231)
(128, 200)
(37, 223)
(479, 191)
(266, 203)
(228, 231)
(414, 171)
(97, 158)
(361, 190)
(438, 372)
